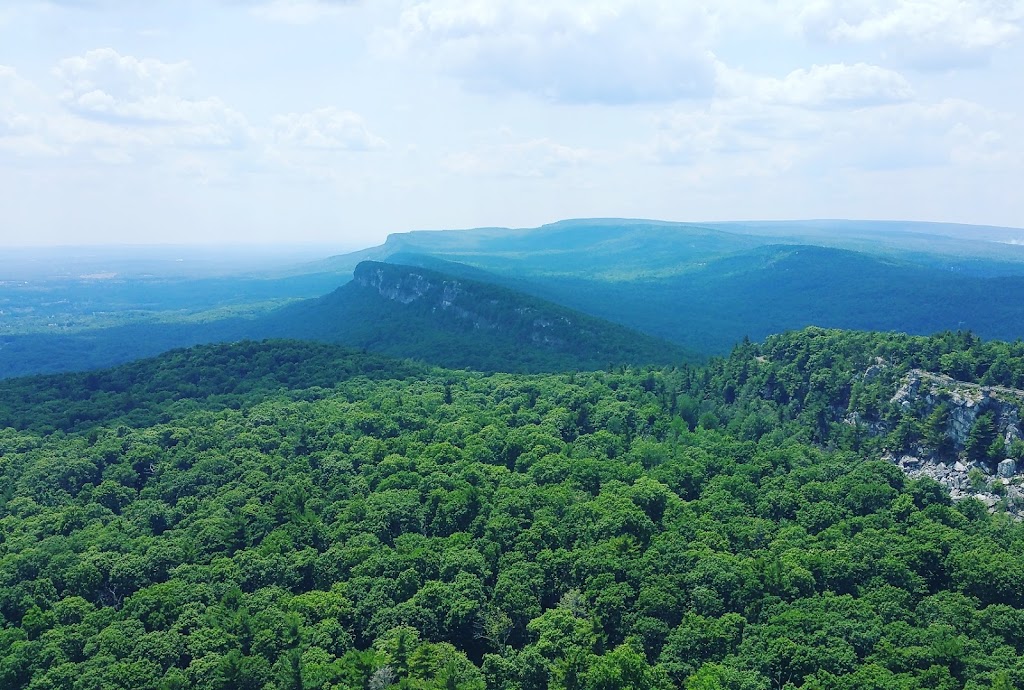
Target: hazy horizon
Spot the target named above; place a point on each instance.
(315, 248)
(329, 121)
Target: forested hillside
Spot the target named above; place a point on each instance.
(705, 286)
(435, 317)
(711, 304)
(288, 516)
(402, 311)
(837, 388)
(209, 376)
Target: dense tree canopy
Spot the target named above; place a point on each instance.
(362, 523)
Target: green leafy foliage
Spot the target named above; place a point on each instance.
(210, 376)
(835, 388)
(318, 519)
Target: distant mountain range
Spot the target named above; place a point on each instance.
(707, 286)
(576, 294)
(628, 248)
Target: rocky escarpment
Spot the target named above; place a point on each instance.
(959, 409)
(966, 402)
(406, 286)
(471, 303)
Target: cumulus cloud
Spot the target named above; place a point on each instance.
(745, 137)
(836, 86)
(327, 128)
(536, 158)
(565, 51)
(123, 110)
(91, 80)
(32, 124)
(937, 34)
(120, 89)
(772, 123)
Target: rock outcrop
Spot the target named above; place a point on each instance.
(458, 298)
(408, 286)
(966, 401)
(997, 484)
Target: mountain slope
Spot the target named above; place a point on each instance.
(397, 310)
(597, 248)
(431, 316)
(625, 248)
(707, 286)
(704, 287)
(209, 377)
(776, 288)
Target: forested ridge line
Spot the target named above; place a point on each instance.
(806, 384)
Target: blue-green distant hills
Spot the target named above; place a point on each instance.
(693, 290)
(707, 286)
(403, 311)
(427, 315)
(624, 249)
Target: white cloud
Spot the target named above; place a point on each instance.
(951, 132)
(610, 52)
(937, 34)
(32, 124)
(19, 128)
(742, 137)
(835, 86)
(763, 125)
(747, 138)
(124, 90)
(139, 85)
(128, 111)
(535, 158)
(327, 128)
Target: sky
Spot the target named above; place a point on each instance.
(340, 121)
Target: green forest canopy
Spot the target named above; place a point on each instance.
(317, 518)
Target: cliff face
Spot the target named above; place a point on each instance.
(1001, 481)
(458, 299)
(405, 286)
(966, 402)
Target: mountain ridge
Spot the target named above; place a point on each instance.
(409, 311)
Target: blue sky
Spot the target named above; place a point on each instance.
(332, 121)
